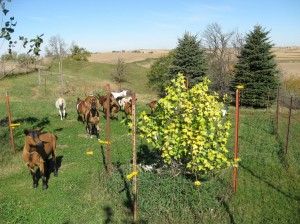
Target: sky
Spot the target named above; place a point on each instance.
(111, 25)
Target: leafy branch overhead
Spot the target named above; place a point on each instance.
(8, 28)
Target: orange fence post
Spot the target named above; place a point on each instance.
(237, 114)
(134, 157)
(9, 123)
(277, 113)
(289, 124)
(108, 128)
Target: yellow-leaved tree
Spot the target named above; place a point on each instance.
(188, 128)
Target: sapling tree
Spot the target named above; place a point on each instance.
(188, 128)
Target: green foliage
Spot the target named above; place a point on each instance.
(158, 75)
(188, 127)
(79, 53)
(256, 70)
(268, 185)
(8, 29)
(189, 59)
(118, 75)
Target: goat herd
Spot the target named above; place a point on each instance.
(89, 109)
(39, 145)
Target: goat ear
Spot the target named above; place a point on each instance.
(25, 131)
(40, 129)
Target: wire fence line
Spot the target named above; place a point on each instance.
(178, 189)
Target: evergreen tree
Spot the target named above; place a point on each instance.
(256, 70)
(189, 59)
(158, 75)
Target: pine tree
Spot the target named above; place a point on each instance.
(189, 59)
(256, 70)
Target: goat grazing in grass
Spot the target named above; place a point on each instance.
(152, 106)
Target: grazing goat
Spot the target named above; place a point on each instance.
(152, 106)
(93, 119)
(128, 108)
(102, 100)
(114, 107)
(123, 101)
(118, 94)
(88, 101)
(61, 106)
(224, 110)
(81, 109)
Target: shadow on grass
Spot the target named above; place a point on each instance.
(50, 166)
(147, 156)
(103, 158)
(37, 123)
(109, 215)
(297, 198)
(30, 120)
(225, 205)
(128, 202)
(281, 154)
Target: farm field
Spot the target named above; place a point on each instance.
(288, 58)
(268, 181)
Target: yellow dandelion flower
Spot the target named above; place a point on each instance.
(197, 183)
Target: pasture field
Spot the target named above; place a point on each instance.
(268, 181)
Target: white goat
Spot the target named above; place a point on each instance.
(61, 106)
(123, 101)
(118, 94)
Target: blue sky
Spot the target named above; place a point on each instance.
(106, 25)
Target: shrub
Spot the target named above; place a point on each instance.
(188, 128)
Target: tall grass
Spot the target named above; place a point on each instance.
(268, 182)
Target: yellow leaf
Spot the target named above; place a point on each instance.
(197, 183)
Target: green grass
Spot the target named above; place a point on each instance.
(268, 181)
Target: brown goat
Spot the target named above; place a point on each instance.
(93, 119)
(113, 106)
(128, 108)
(152, 106)
(38, 147)
(88, 101)
(81, 109)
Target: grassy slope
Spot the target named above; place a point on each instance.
(268, 185)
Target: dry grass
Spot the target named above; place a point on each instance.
(288, 58)
(128, 57)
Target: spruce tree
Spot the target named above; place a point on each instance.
(189, 59)
(256, 70)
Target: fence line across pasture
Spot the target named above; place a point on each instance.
(283, 114)
(288, 116)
